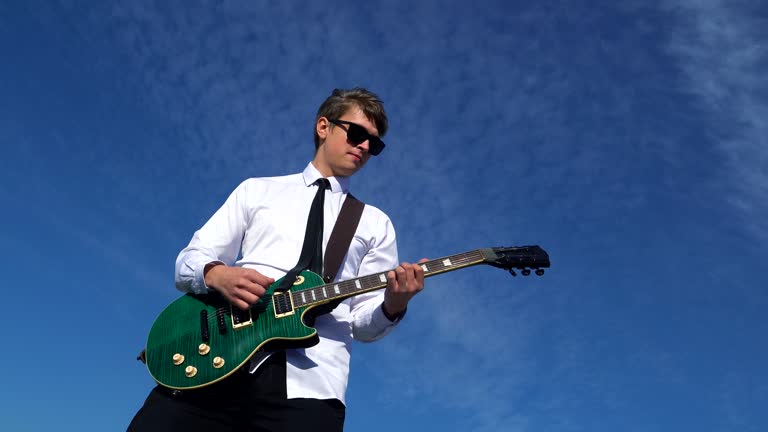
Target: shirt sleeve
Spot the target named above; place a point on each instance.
(368, 320)
(218, 241)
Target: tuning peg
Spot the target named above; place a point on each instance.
(539, 272)
(526, 272)
(512, 272)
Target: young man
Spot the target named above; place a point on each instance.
(263, 222)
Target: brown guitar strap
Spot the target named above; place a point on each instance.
(341, 236)
(336, 249)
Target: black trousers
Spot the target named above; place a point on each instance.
(242, 402)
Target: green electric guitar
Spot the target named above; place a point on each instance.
(200, 339)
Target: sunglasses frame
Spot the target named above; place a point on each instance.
(357, 135)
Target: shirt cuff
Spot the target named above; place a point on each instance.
(199, 285)
(391, 319)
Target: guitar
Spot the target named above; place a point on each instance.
(198, 340)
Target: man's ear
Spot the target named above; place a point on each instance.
(322, 127)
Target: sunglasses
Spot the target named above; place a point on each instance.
(357, 134)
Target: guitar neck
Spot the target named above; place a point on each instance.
(349, 288)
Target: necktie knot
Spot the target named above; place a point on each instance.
(323, 183)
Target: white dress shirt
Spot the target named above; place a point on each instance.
(262, 223)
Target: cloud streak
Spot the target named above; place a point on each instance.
(720, 48)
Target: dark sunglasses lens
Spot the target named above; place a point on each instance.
(356, 134)
(375, 146)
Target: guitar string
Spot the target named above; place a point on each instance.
(458, 261)
(374, 280)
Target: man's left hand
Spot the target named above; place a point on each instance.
(403, 283)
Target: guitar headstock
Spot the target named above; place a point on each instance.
(523, 258)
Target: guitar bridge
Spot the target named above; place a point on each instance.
(240, 318)
(283, 303)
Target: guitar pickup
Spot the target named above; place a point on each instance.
(240, 318)
(205, 335)
(283, 302)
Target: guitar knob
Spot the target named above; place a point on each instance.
(539, 272)
(203, 349)
(178, 359)
(526, 272)
(218, 362)
(190, 371)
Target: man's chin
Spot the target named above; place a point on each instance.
(348, 171)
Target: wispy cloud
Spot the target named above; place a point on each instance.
(44, 204)
(741, 396)
(469, 348)
(720, 46)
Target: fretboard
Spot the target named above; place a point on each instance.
(341, 290)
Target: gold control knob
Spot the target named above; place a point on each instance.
(203, 349)
(190, 371)
(218, 362)
(178, 359)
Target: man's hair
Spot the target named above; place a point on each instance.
(341, 101)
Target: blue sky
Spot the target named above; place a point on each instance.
(629, 139)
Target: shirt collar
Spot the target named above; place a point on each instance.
(338, 184)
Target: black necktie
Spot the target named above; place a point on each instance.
(312, 251)
(314, 232)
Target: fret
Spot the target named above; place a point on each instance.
(452, 262)
(347, 287)
(372, 282)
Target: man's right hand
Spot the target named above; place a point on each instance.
(241, 286)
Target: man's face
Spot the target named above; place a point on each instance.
(337, 156)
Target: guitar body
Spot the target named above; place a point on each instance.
(233, 336)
